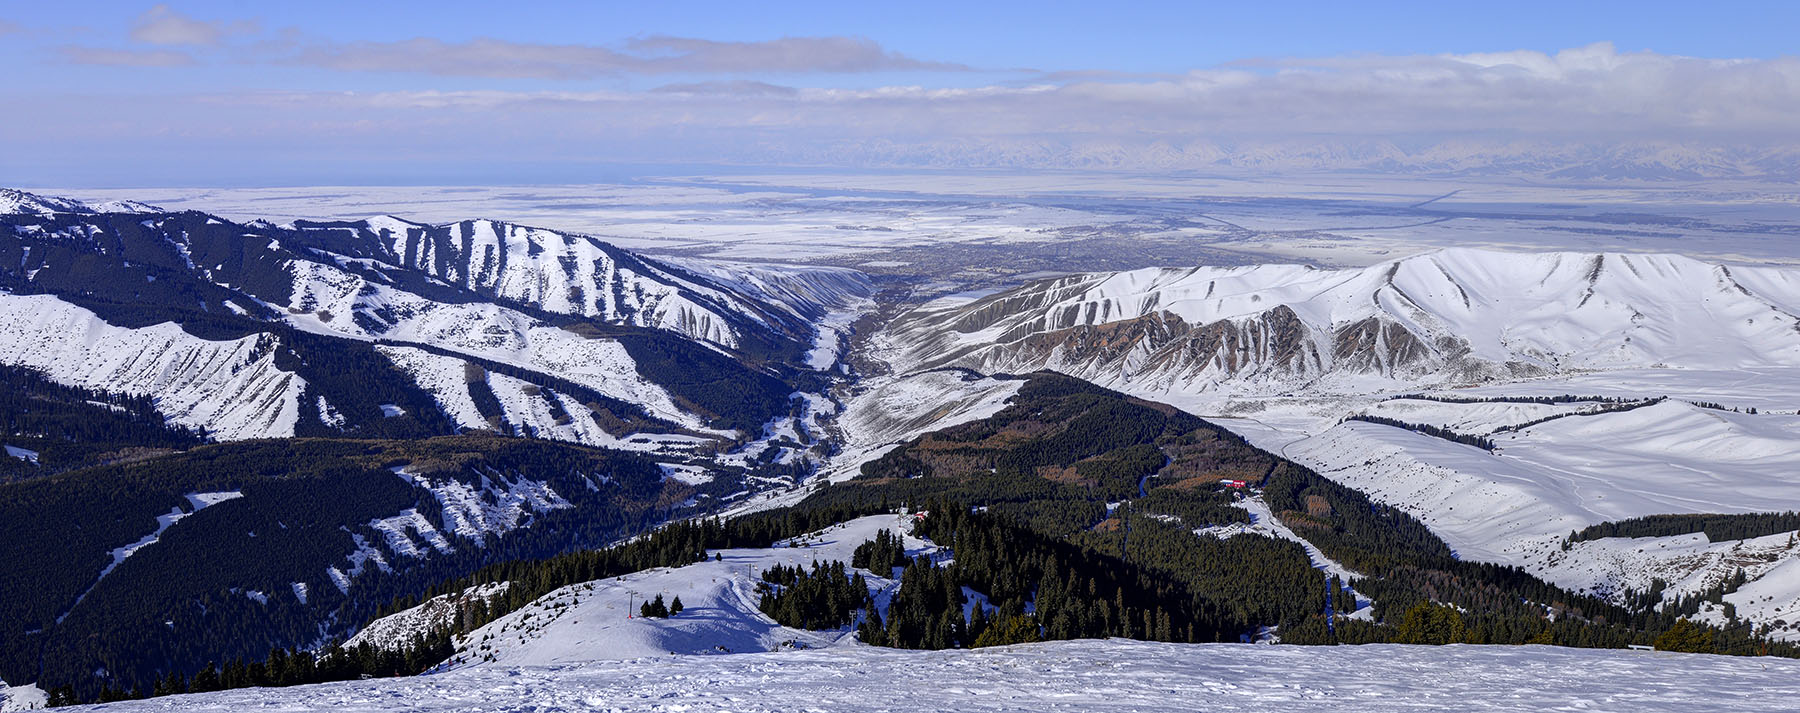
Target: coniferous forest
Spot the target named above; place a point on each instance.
(1071, 513)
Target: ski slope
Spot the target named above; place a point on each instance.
(1091, 675)
(598, 620)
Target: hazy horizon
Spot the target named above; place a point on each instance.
(208, 93)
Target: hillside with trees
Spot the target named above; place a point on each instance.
(245, 546)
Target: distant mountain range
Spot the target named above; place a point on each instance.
(1446, 318)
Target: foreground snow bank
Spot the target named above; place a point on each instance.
(1073, 676)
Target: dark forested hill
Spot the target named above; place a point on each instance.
(49, 427)
(227, 550)
(1133, 480)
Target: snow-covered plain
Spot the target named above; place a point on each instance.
(1334, 218)
(1104, 675)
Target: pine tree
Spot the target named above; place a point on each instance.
(207, 679)
(675, 607)
(654, 609)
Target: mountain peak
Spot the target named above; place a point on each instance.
(14, 202)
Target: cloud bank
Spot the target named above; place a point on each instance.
(1590, 111)
(488, 57)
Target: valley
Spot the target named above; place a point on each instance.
(1236, 446)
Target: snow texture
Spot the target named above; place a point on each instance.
(1090, 675)
(498, 505)
(396, 631)
(1452, 316)
(24, 454)
(598, 620)
(22, 698)
(231, 388)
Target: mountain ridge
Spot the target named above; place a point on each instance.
(483, 294)
(1441, 317)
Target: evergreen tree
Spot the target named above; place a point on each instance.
(1432, 624)
(1687, 637)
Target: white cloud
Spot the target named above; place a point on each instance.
(109, 57)
(488, 57)
(162, 25)
(1592, 107)
(1592, 91)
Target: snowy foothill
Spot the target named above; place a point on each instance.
(231, 388)
(1085, 675)
(599, 619)
(21, 698)
(396, 631)
(1548, 478)
(584, 647)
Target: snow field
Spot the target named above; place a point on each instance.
(598, 620)
(1087, 675)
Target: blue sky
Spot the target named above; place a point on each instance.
(120, 92)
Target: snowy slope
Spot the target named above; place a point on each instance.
(598, 364)
(21, 698)
(1089, 675)
(885, 411)
(721, 303)
(597, 620)
(1514, 506)
(488, 331)
(1447, 317)
(1691, 564)
(396, 631)
(231, 388)
(1565, 474)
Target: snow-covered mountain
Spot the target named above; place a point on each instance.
(568, 274)
(232, 388)
(1293, 350)
(245, 329)
(1448, 317)
(13, 200)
